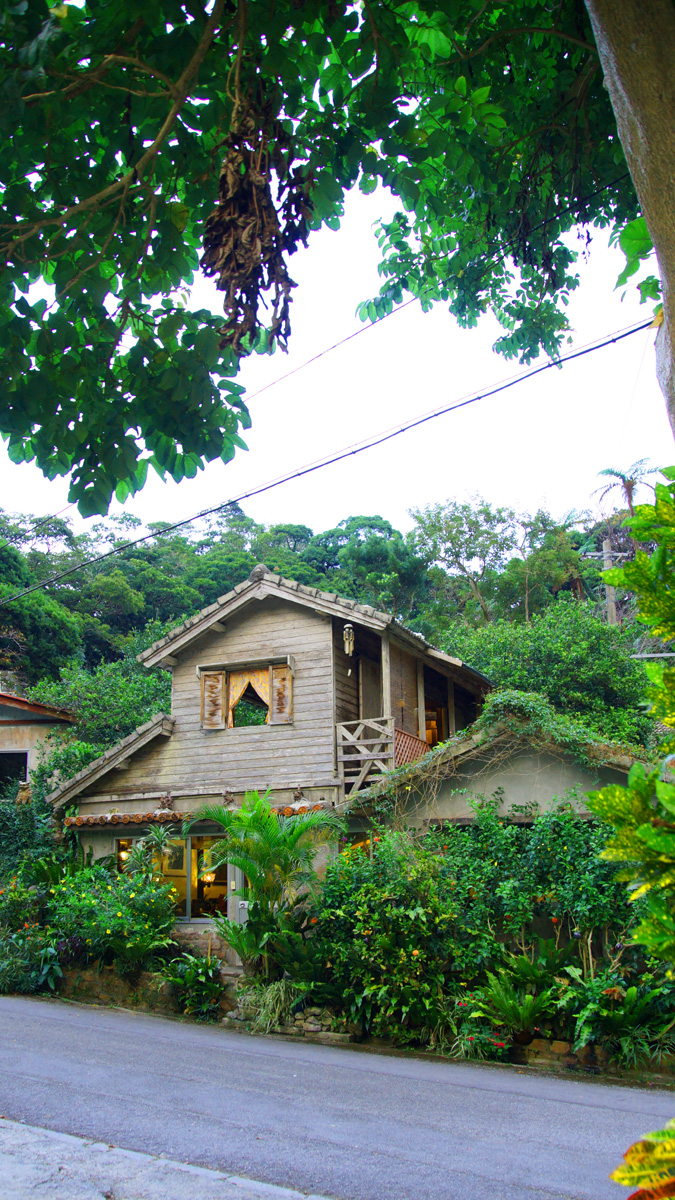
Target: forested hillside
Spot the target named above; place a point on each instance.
(518, 596)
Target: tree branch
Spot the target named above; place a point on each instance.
(135, 175)
(508, 33)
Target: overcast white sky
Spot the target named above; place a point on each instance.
(539, 444)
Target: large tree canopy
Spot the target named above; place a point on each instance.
(158, 135)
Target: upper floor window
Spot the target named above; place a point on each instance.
(260, 694)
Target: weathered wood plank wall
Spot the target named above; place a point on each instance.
(403, 668)
(300, 753)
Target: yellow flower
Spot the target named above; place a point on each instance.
(107, 931)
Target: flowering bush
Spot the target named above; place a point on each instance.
(19, 905)
(387, 933)
(508, 918)
(121, 917)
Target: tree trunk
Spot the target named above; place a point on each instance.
(636, 44)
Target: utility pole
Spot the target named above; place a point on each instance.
(610, 592)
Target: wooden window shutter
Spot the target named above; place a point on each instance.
(213, 700)
(281, 695)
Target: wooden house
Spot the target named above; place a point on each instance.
(24, 725)
(277, 686)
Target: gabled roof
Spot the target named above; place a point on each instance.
(34, 712)
(263, 583)
(159, 726)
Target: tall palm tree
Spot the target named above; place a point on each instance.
(628, 481)
(275, 853)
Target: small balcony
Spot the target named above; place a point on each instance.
(368, 748)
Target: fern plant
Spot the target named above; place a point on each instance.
(518, 1010)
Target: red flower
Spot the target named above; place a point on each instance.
(314, 920)
(470, 1039)
(554, 920)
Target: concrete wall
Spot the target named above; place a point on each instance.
(25, 738)
(527, 779)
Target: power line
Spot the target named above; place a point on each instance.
(405, 304)
(339, 456)
(509, 244)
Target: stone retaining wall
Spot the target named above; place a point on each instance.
(149, 992)
(314, 1024)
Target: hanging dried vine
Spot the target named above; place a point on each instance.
(247, 235)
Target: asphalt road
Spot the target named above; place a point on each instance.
(348, 1124)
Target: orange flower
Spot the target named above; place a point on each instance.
(313, 921)
(415, 952)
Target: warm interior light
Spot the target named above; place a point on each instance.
(208, 878)
(124, 853)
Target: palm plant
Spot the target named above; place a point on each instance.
(146, 854)
(627, 482)
(275, 853)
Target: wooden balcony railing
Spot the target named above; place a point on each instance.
(407, 747)
(369, 748)
(365, 749)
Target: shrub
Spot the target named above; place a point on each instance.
(197, 984)
(27, 960)
(386, 929)
(269, 1005)
(117, 916)
(25, 833)
(20, 905)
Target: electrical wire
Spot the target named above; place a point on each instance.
(339, 456)
(405, 304)
(542, 224)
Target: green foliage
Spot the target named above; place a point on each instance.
(197, 984)
(25, 833)
(248, 941)
(20, 905)
(581, 665)
(27, 961)
(112, 701)
(462, 113)
(632, 1024)
(40, 635)
(643, 813)
(472, 541)
(652, 578)
(393, 939)
(516, 1009)
(385, 932)
(117, 917)
(642, 816)
(269, 1004)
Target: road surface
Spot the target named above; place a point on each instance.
(349, 1124)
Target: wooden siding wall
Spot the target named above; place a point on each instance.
(346, 686)
(403, 689)
(276, 756)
